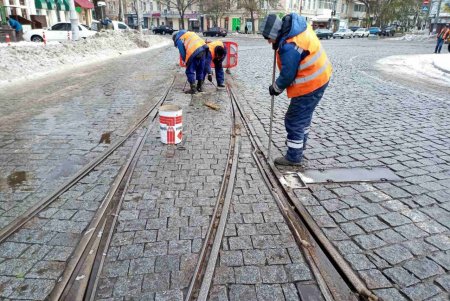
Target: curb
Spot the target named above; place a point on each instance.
(445, 70)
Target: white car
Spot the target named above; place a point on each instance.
(361, 33)
(343, 33)
(120, 25)
(58, 32)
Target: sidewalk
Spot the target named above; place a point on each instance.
(434, 68)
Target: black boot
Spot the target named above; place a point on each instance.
(192, 90)
(199, 86)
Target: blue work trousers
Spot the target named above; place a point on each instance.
(298, 120)
(195, 68)
(439, 44)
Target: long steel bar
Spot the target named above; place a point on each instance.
(272, 104)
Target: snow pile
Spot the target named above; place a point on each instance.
(417, 35)
(421, 66)
(28, 58)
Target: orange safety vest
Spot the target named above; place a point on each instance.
(212, 47)
(314, 70)
(191, 42)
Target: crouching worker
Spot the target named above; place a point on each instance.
(304, 72)
(217, 53)
(192, 50)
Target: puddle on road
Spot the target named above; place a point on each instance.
(13, 180)
(105, 138)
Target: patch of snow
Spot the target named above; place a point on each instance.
(419, 66)
(416, 36)
(31, 60)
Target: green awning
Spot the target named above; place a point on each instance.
(40, 4)
(62, 5)
(51, 5)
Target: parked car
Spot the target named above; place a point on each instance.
(163, 29)
(117, 25)
(323, 33)
(215, 32)
(375, 31)
(354, 28)
(361, 33)
(388, 31)
(343, 33)
(58, 32)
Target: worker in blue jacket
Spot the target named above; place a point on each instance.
(192, 49)
(17, 27)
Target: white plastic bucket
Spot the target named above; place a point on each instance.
(171, 124)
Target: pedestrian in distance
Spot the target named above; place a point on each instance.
(441, 37)
(17, 27)
(304, 72)
(246, 29)
(216, 54)
(192, 50)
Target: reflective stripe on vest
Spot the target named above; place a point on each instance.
(212, 47)
(191, 43)
(314, 70)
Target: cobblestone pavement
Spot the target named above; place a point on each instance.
(52, 127)
(395, 235)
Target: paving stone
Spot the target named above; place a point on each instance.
(440, 241)
(443, 259)
(46, 270)
(131, 251)
(218, 293)
(421, 291)
(165, 263)
(273, 274)
(267, 292)
(394, 254)
(423, 268)
(224, 275)
(277, 256)
(395, 219)
(142, 265)
(389, 294)
(290, 292)
(410, 231)
(174, 295)
(34, 289)
(371, 224)
(374, 279)
(359, 262)
(242, 292)
(156, 282)
(390, 236)
(254, 257)
(368, 242)
(444, 282)
(298, 272)
(231, 258)
(128, 286)
(309, 291)
(401, 276)
(419, 247)
(247, 275)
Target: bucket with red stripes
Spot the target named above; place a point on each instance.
(171, 124)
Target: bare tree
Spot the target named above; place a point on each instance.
(216, 9)
(181, 6)
(137, 9)
(256, 6)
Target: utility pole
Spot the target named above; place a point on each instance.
(74, 21)
(436, 18)
(300, 8)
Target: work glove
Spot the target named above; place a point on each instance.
(273, 91)
(210, 77)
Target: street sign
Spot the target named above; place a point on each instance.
(424, 8)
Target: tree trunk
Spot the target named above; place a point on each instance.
(120, 10)
(253, 22)
(182, 20)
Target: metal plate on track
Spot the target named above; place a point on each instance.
(339, 175)
(292, 180)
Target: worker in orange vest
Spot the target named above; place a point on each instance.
(304, 72)
(216, 54)
(441, 37)
(192, 49)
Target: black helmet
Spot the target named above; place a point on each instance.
(220, 51)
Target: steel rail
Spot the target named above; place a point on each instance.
(18, 222)
(299, 216)
(204, 270)
(62, 289)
